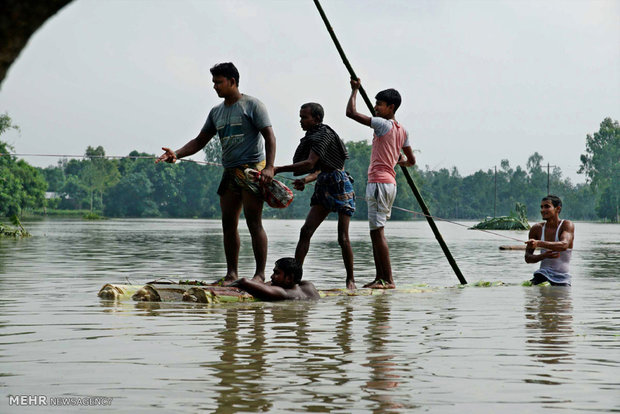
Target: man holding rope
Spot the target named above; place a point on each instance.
(555, 239)
(388, 140)
(239, 121)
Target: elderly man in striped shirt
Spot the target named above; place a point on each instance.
(321, 153)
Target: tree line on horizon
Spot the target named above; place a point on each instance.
(137, 187)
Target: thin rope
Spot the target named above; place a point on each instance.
(460, 224)
(112, 157)
(425, 215)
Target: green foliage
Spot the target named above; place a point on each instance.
(601, 164)
(21, 185)
(98, 173)
(517, 220)
(55, 177)
(6, 123)
(132, 197)
(62, 213)
(137, 187)
(7, 231)
(92, 216)
(15, 232)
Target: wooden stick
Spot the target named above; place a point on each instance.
(417, 194)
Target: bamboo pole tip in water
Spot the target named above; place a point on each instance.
(512, 247)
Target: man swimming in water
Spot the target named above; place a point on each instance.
(285, 284)
(556, 253)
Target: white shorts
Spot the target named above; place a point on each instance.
(379, 198)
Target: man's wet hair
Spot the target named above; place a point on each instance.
(390, 97)
(316, 110)
(227, 69)
(555, 200)
(290, 266)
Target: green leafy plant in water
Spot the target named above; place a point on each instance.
(528, 283)
(92, 216)
(517, 220)
(485, 283)
(17, 232)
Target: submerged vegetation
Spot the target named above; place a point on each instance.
(92, 216)
(18, 231)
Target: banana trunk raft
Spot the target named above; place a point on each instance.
(197, 293)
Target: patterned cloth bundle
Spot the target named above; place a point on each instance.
(275, 194)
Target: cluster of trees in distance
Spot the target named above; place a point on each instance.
(135, 186)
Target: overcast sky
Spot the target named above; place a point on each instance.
(481, 81)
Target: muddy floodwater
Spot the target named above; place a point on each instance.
(444, 349)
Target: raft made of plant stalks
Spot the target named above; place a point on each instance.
(198, 292)
(514, 221)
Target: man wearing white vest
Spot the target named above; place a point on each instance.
(555, 239)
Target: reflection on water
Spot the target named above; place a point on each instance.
(485, 350)
(242, 363)
(549, 315)
(380, 361)
(549, 312)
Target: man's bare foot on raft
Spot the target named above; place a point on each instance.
(228, 279)
(225, 281)
(351, 285)
(259, 278)
(380, 284)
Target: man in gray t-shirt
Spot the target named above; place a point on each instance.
(238, 127)
(242, 123)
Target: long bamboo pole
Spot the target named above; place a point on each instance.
(417, 194)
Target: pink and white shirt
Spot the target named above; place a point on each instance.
(388, 139)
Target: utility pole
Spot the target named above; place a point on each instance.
(495, 195)
(548, 177)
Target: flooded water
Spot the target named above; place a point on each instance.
(447, 349)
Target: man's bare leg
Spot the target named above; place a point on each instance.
(381, 252)
(378, 270)
(253, 210)
(230, 205)
(316, 216)
(345, 247)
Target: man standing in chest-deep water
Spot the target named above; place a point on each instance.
(241, 122)
(555, 239)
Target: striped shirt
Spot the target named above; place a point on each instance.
(326, 143)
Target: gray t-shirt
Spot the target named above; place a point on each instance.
(238, 127)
